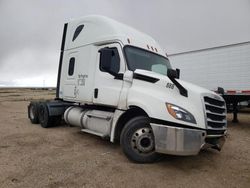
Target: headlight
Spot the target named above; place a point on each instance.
(180, 113)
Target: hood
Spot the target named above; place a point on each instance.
(160, 90)
(164, 80)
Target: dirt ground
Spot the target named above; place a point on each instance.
(31, 156)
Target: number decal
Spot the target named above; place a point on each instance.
(170, 85)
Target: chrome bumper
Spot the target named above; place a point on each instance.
(179, 141)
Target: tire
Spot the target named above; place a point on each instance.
(45, 119)
(137, 141)
(33, 112)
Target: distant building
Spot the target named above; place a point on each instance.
(223, 66)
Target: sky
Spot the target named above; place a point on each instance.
(31, 31)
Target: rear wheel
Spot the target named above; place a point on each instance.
(137, 141)
(33, 112)
(45, 119)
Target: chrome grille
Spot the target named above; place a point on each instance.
(215, 111)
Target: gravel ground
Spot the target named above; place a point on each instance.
(31, 156)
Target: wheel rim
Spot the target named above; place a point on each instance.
(143, 141)
(31, 111)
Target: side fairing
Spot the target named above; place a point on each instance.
(78, 85)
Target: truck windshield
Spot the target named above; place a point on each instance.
(142, 59)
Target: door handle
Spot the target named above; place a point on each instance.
(96, 93)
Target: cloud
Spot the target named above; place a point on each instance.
(31, 31)
(28, 63)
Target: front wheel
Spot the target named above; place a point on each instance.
(137, 141)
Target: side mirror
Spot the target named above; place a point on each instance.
(178, 73)
(220, 90)
(110, 62)
(172, 73)
(105, 59)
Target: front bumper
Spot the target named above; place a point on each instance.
(181, 141)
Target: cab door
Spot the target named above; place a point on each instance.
(107, 88)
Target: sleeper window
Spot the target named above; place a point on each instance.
(77, 31)
(71, 66)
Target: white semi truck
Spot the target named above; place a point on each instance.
(117, 83)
